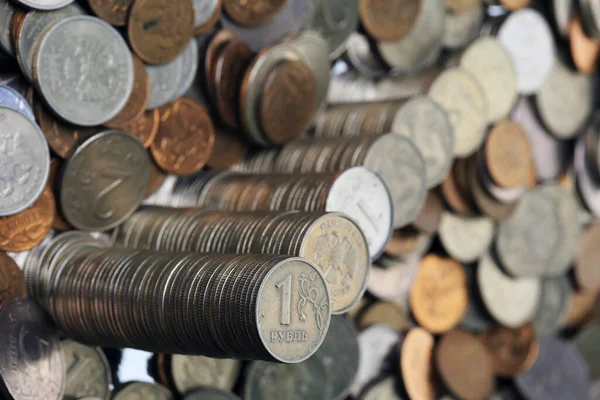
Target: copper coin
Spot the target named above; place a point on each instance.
(138, 100)
(62, 137)
(228, 150)
(581, 308)
(465, 366)
(114, 12)
(453, 191)
(288, 102)
(388, 20)
(12, 281)
(59, 223)
(216, 45)
(507, 155)
(438, 297)
(27, 229)
(588, 259)
(416, 365)
(159, 30)
(185, 137)
(584, 50)
(144, 127)
(210, 23)
(229, 72)
(459, 6)
(157, 177)
(252, 13)
(430, 216)
(513, 5)
(511, 348)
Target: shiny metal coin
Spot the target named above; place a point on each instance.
(462, 28)
(335, 20)
(553, 306)
(466, 238)
(165, 81)
(143, 390)
(7, 10)
(12, 99)
(191, 373)
(44, 4)
(88, 371)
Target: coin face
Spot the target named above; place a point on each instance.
(253, 13)
(106, 78)
(143, 390)
(389, 20)
(44, 4)
(513, 350)
(194, 372)
(144, 127)
(416, 364)
(159, 30)
(335, 20)
(12, 282)
(25, 162)
(32, 366)
(507, 154)
(466, 238)
(112, 11)
(104, 181)
(553, 306)
(206, 15)
(438, 297)
(585, 266)
(393, 281)
(88, 371)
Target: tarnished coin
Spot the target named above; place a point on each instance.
(584, 49)
(194, 372)
(106, 78)
(12, 282)
(144, 127)
(558, 373)
(160, 30)
(416, 365)
(463, 98)
(389, 20)
(306, 380)
(507, 155)
(143, 390)
(465, 366)
(553, 306)
(24, 162)
(528, 38)
(335, 20)
(588, 257)
(252, 13)
(428, 125)
(88, 371)
(438, 297)
(31, 363)
(393, 280)
(7, 10)
(511, 301)
(114, 12)
(44, 4)
(466, 238)
(513, 350)
(104, 181)
(493, 67)
(209, 393)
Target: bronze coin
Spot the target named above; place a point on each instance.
(144, 127)
(588, 259)
(12, 281)
(430, 216)
(459, 6)
(584, 50)
(384, 313)
(27, 229)
(416, 365)
(160, 30)
(229, 72)
(112, 11)
(157, 177)
(288, 102)
(465, 366)
(62, 137)
(59, 223)
(228, 150)
(438, 296)
(510, 348)
(217, 43)
(211, 21)
(252, 13)
(185, 137)
(507, 155)
(138, 100)
(454, 193)
(388, 20)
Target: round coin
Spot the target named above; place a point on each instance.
(12, 282)
(416, 365)
(507, 154)
(465, 238)
(143, 390)
(144, 127)
(253, 13)
(88, 371)
(390, 19)
(553, 306)
(45, 5)
(206, 13)
(587, 259)
(513, 350)
(210, 394)
(112, 11)
(584, 49)
(194, 372)
(7, 10)
(335, 20)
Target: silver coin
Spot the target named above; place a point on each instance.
(363, 196)
(288, 22)
(32, 29)
(45, 5)
(463, 98)
(562, 11)
(466, 239)
(590, 12)
(193, 372)
(165, 81)
(553, 306)
(460, 29)
(588, 188)
(335, 20)
(143, 390)
(510, 301)
(392, 281)
(493, 68)
(528, 39)
(104, 181)
(12, 99)
(564, 102)
(203, 10)
(587, 343)
(362, 58)
(24, 162)
(88, 371)
(7, 11)
(428, 125)
(189, 66)
(421, 46)
(105, 78)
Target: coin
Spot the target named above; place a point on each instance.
(416, 364)
(391, 20)
(469, 377)
(384, 389)
(462, 28)
(507, 153)
(581, 308)
(144, 127)
(461, 5)
(335, 20)
(7, 10)
(191, 373)
(248, 14)
(12, 282)
(141, 390)
(585, 266)
(12, 99)
(104, 181)
(393, 280)
(513, 350)
(159, 31)
(31, 343)
(95, 99)
(584, 50)
(586, 344)
(553, 306)
(44, 4)
(165, 80)
(112, 11)
(385, 313)
(430, 217)
(466, 238)
(207, 13)
(210, 394)
(438, 297)
(88, 371)
(511, 301)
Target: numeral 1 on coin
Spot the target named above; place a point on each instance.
(286, 299)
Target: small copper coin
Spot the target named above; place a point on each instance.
(588, 260)
(513, 5)
(430, 216)
(388, 20)
(185, 137)
(216, 45)
(511, 348)
(459, 6)
(157, 177)
(507, 155)
(227, 151)
(438, 297)
(465, 366)
(288, 102)
(584, 50)
(254, 12)
(59, 223)
(144, 127)
(416, 365)
(27, 229)
(12, 282)
(454, 194)
(138, 100)
(114, 12)
(229, 72)
(159, 30)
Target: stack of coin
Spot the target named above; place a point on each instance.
(356, 192)
(77, 281)
(332, 241)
